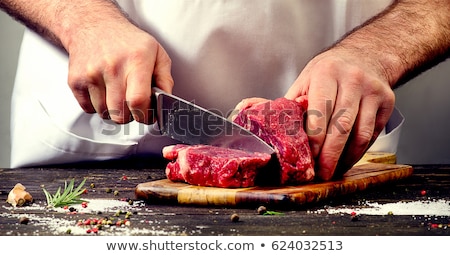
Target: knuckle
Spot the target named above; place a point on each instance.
(363, 137)
(111, 66)
(356, 75)
(136, 101)
(81, 77)
(328, 64)
(389, 97)
(344, 122)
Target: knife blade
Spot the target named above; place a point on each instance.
(191, 124)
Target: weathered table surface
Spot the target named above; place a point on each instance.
(428, 183)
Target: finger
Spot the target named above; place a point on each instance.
(248, 102)
(161, 78)
(360, 137)
(338, 130)
(138, 94)
(321, 100)
(162, 71)
(81, 94)
(374, 112)
(115, 100)
(97, 94)
(88, 87)
(244, 104)
(383, 115)
(79, 86)
(300, 86)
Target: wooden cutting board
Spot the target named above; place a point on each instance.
(373, 169)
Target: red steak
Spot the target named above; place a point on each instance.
(280, 123)
(205, 165)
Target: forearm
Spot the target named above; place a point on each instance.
(61, 22)
(407, 38)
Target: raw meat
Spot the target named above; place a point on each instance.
(280, 123)
(205, 165)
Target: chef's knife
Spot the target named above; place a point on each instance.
(191, 124)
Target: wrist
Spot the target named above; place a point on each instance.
(374, 57)
(76, 22)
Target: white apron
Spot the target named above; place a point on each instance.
(222, 52)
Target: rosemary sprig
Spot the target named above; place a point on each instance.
(70, 195)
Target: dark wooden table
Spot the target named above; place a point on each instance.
(428, 183)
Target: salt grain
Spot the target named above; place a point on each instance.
(426, 207)
(58, 226)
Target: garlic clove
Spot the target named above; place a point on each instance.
(18, 196)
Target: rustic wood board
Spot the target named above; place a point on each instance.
(373, 170)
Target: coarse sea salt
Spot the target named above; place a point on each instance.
(424, 207)
(56, 225)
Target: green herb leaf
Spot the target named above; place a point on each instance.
(69, 195)
(272, 213)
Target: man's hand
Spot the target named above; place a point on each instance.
(111, 72)
(112, 63)
(348, 106)
(349, 85)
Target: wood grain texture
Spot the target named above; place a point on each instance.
(368, 173)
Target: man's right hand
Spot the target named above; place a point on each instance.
(112, 68)
(112, 63)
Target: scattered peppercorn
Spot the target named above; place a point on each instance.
(354, 216)
(92, 185)
(108, 190)
(24, 220)
(423, 192)
(116, 192)
(390, 213)
(68, 231)
(234, 217)
(128, 215)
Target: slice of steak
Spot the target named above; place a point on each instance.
(280, 123)
(205, 165)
